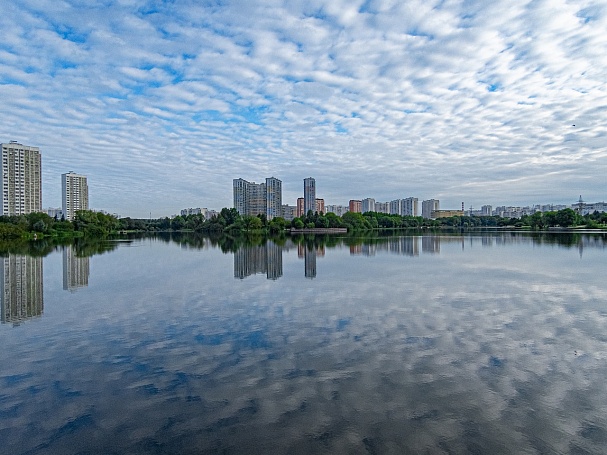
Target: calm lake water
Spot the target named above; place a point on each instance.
(493, 343)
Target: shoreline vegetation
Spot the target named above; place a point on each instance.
(89, 224)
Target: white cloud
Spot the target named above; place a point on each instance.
(380, 99)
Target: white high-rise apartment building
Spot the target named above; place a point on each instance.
(430, 206)
(74, 194)
(404, 207)
(368, 205)
(409, 206)
(21, 179)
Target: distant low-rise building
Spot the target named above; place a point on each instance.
(338, 210)
(446, 213)
(54, 213)
(289, 212)
(210, 214)
(192, 211)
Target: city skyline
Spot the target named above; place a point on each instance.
(161, 105)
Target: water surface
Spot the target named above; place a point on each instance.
(492, 343)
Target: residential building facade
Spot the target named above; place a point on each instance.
(254, 199)
(289, 212)
(430, 206)
(320, 205)
(74, 194)
(309, 195)
(368, 205)
(300, 207)
(21, 176)
(339, 210)
(355, 206)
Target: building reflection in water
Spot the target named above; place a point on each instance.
(406, 246)
(76, 270)
(431, 244)
(309, 253)
(251, 260)
(21, 288)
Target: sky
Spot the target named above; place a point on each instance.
(163, 103)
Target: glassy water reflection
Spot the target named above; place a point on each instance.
(415, 344)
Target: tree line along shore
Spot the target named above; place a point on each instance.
(88, 223)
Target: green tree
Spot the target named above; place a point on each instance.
(177, 223)
(566, 218)
(251, 223)
(229, 215)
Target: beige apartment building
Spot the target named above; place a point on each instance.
(21, 179)
(74, 194)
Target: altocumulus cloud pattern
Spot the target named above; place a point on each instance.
(163, 103)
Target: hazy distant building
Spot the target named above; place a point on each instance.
(289, 212)
(339, 210)
(368, 205)
(409, 206)
(309, 195)
(55, 212)
(486, 210)
(430, 206)
(254, 199)
(21, 288)
(74, 194)
(21, 176)
(210, 214)
(355, 206)
(446, 213)
(193, 211)
(76, 270)
(382, 207)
